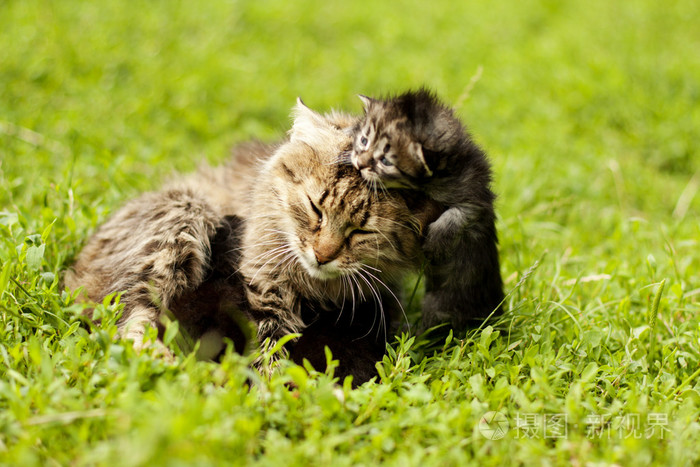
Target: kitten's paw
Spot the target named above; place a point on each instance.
(442, 236)
(436, 245)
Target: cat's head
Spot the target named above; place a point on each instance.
(321, 217)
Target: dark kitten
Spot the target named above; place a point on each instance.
(414, 141)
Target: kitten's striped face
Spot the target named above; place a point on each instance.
(376, 154)
(383, 149)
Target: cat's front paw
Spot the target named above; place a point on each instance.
(271, 354)
(266, 363)
(157, 348)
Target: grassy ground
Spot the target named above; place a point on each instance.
(590, 113)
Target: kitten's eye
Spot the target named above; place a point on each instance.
(316, 209)
(386, 162)
(363, 141)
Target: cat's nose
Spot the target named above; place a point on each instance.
(321, 258)
(327, 248)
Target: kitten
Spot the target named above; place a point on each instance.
(413, 141)
(315, 241)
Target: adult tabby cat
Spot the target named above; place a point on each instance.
(413, 141)
(315, 242)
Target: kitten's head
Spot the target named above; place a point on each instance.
(320, 217)
(383, 150)
(389, 144)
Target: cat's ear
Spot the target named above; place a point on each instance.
(366, 101)
(306, 122)
(415, 150)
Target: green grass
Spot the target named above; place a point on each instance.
(590, 112)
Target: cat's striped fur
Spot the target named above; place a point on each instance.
(316, 238)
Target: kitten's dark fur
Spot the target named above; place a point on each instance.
(414, 141)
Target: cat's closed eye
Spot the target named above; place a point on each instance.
(353, 231)
(316, 209)
(359, 232)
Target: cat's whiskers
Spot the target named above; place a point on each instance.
(391, 244)
(368, 184)
(379, 271)
(261, 256)
(285, 257)
(246, 262)
(281, 232)
(267, 238)
(372, 187)
(400, 224)
(259, 216)
(273, 254)
(264, 259)
(255, 245)
(253, 261)
(342, 303)
(288, 262)
(336, 161)
(383, 188)
(341, 159)
(280, 251)
(352, 294)
(275, 234)
(378, 298)
(378, 183)
(398, 302)
(287, 268)
(360, 290)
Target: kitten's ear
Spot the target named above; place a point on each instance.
(306, 122)
(366, 101)
(415, 150)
